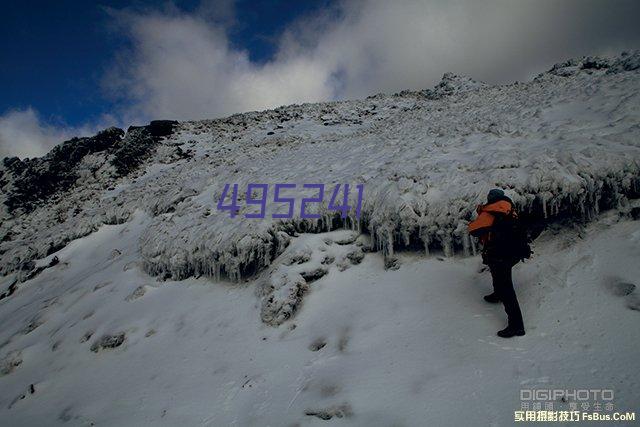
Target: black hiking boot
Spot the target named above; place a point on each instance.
(492, 298)
(509, 332)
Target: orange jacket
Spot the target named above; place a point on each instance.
(481, 226)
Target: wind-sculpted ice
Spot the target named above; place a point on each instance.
(564, 145)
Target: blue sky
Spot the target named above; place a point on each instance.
(55, 53)
(72, 68)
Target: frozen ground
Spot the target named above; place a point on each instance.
(126, 298)
(369, 346)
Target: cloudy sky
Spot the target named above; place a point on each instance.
(73, 67)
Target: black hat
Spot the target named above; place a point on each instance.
(495, 195)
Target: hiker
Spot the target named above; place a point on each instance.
(503, 245)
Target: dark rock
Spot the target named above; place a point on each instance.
(35, 323)
(391, 263)
(27, 265)
(133, 149)
(159, 128)
(594, 63)
(137, 144)
(317, 344)
(132, 128)
(36, 179)
(627, 61)
(108, 341)
(635, 213)
(623, 288)
(179, 153)
(274, 312)
(10, 362)
(33, 273)
(356, 256)
(10, 290)
(86, 337)
(310, 276)
(328, 259)
(13, 164)
(339, 411)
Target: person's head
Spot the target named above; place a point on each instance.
(495, 195)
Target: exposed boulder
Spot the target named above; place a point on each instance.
(160, 128)
(138, 143)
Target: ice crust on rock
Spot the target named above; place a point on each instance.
(566, 144)
(308, 258)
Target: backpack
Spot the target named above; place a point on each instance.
(511, 238)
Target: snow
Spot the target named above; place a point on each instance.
(556, 144)
(377, 347)
(130, 300)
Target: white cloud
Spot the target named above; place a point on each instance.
(182, 65)
(24, 134)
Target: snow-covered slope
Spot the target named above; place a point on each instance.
(370, 347)
(566, 143)
(115, 296)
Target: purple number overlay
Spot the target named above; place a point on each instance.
(233, 207)
(290, 200)
(338, 202)
(303, 213)
(344, 208)
(262, 202)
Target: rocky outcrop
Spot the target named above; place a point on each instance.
(32, 180)
(627, 61)
(28, 182)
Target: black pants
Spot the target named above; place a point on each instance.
(503, 287)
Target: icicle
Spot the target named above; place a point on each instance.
(447, 246)
(466, 243)
(474, 249)
(424, 236)
(389, 250)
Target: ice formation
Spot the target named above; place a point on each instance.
(566, 144)
(306, 260)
